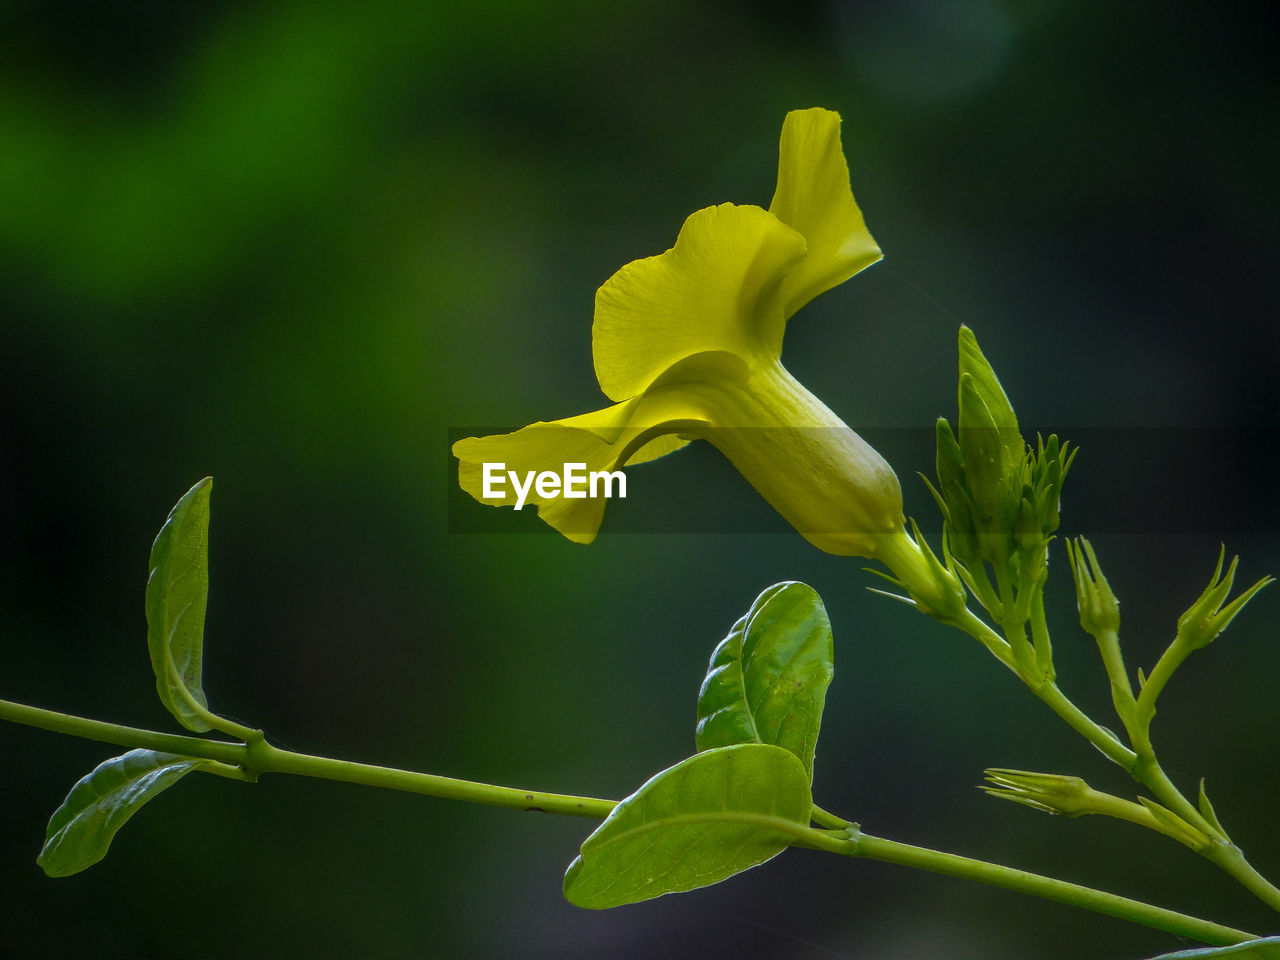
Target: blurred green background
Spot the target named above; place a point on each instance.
(294, 244)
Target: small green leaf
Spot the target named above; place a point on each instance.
(1267, 949)
(697, 823)
(767, 681)
(1174, 826)
(177, 591)
(81, 830)
(1207, 811)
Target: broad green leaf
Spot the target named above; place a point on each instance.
(1268, 949)
(697, 823)
(81, 830)
(767, 681)
(177, 591)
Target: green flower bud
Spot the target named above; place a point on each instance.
(999, 497)
(1098, 606)
(1207, 617)
(1028, 530)
(1047, 792)
(953, 499)
(930, 584)
(987, 385)
(1072, 797)
(982, 452)
(983, 472)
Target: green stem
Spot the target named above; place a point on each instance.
(1005, 587)
(974, 627)
(1220, 851)
(1145, 707)
(1076, 718)
(1084, 725)
(257, 757)
(1231, 859)
(890, 851)
(1151, 775)
(1113, 661)
(228, 727)
(265, 758)
(1142, 764)
(1143, 767)
(1040, 635)
(229, 753)
(828, 820)
(1033, 664)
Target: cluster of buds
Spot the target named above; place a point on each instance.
(999, 497)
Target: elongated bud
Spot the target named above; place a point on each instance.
(952, 495)
(991, 446)
(986, 459)
(1072, 797)
(1048, 792)
(993, 456)
(973, 363)
(1098, 606)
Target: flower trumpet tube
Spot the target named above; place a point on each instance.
(688, 345)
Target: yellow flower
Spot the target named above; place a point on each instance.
(688, 345)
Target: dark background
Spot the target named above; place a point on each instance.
(293, 244)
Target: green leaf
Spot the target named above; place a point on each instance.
(81, 830)
(1207, 811)
(1267, 949)
(697, 823)
(767, 681)
(177, 591)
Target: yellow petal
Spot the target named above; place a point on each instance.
(715, 290)
(813, 197)
(658, 447)
(602, 441)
